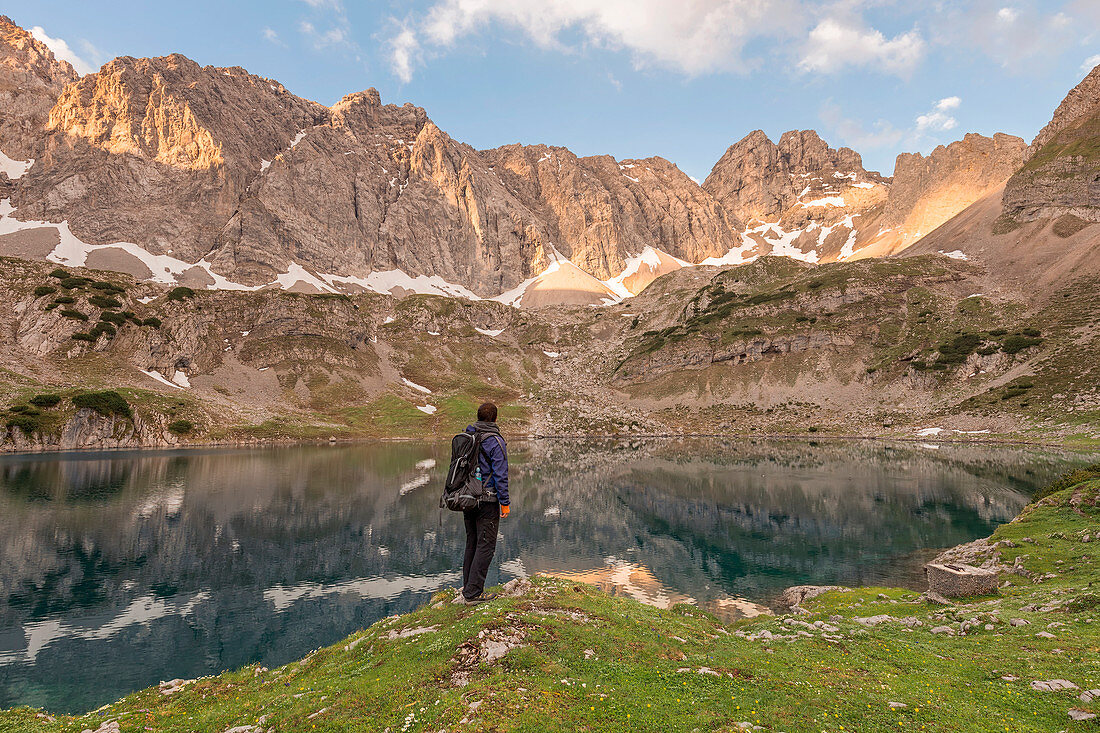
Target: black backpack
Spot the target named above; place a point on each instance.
(463, 491)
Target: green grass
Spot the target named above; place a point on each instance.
(587, 661)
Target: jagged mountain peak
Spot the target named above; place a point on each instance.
(1063, 164)
(21, 50)
(1082, 102)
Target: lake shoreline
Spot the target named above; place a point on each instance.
(345, 441)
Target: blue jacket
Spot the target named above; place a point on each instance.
(494, 465)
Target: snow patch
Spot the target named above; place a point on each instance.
(488, 332)
(928, 432)
(154, 374)
(649, 256)
(863, 184)
(181, 379)
(837, 201)
(428, 409)
(14, 168)
(414, 385)
(552, 354)
(956, 254)
(386, 281)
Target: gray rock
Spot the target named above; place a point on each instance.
(1090, 695)
(1081, 714)
(1053, 685)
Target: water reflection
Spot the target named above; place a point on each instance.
(120, 570)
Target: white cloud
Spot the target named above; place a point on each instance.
(404, 52)
(1091, 63)
(882, 134)
(834, 45)
(270, 35)
(855, 134)
(324, 39)
(938, 119)
(62, 51)
(693, 37)
(1026, 37)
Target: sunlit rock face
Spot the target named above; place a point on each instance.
(1060, 176)
(30, 81)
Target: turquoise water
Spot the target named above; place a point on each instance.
(119, 570)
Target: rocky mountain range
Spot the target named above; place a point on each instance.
(240, 264)
(214, 177)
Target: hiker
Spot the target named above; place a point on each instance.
(483, 520)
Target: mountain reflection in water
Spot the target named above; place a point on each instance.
(118, 570)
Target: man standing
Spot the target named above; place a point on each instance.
(482, 522)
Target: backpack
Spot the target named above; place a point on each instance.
(462, 490)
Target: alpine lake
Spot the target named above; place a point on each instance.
(122, 569)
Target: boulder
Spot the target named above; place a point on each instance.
(958, 580)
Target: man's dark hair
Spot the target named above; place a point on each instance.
(487, 412)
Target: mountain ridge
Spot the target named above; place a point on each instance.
(146, 168)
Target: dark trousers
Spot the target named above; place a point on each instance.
(481, 543)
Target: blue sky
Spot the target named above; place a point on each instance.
(682, 79)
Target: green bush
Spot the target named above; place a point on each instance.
(1069, 480)
(19, 408)
(1032, 332)
(42, 290)
(64, 300)
(45, 400)
(104, 301)
(73, 282)
(81, 336)
(1017, 343)
(181, 427)
(113, 317)
(60, 274)
(102, 328)
(51, 306)
(108, 287)
(29, 424)
(998, 332)
(75, 315)
(106, 403)
(151, 321)
(181, 293)
(957, 349)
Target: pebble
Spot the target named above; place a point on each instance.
(1046, 635)
(943, 630)
(1090, 695)
(1081, 714)
(1019, 622)
(896, 705)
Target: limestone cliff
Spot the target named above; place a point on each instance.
(1062, 173)
(30, 80)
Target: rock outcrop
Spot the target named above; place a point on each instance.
(759, 179)
(1062, 173)
(30, 80)
(927, 191)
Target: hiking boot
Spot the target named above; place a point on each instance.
(483, 598)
